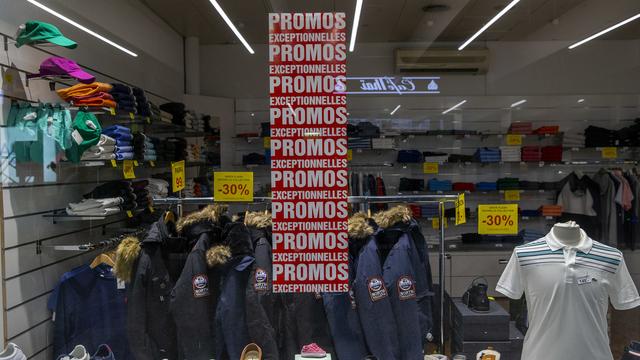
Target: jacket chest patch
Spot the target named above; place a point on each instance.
(406, 288)
(377, 290)
(261, 280)
(200, 285)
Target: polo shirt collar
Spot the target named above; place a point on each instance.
(584, 245)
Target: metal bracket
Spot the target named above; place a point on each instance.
(52, 85)
(38, 247)
(6, 43)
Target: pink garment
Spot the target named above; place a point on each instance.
(627, 193)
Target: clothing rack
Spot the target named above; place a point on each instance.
(440, 199)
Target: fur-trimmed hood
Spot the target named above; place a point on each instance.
(258, 219)
(218, 255)
(126, 256)
(359, 227)
(393, 216)
(210, 214)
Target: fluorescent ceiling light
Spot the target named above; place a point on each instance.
(519, 102)
(580, 101)
(487, 25)
(394, 110)
(454, 107)
(356, 21)
(231, 25)
(605, 31)
(87, 30)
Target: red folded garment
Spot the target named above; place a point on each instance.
(552, 153)
(547, 130)
(520, 128)
(463, 186)
(416, 210)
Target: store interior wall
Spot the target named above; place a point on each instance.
(30, 192)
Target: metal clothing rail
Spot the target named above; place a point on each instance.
(440, 199)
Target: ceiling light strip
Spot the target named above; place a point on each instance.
(356, 22)
(83, 28)
(487, 25)
(394, 110)
(517, 103)
(454, 107)
(231, 25)
(613, 27)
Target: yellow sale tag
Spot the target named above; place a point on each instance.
(112, 111)
(148, 120)
(233, 186)
(266, 143)
(135, 162)
(152, 163)
(177, 176)
(129, 213)
(114, 163)
(349, 155)
(514, 139)
(498, 219)
(430, 168)
(512, 195)
(131, 116)
(461, 215)
(127, 169)
(151, 209)
(610, 153)
(435, 223)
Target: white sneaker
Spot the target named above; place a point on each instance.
(12, 352)
(78, 353)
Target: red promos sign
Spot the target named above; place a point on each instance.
(309, 179)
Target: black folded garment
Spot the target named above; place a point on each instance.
(130, 205)
(551, 186)
(461, 158)
(451, 212)
(253, 159)
(630, 135)
(110, 189)
(600, 137)
(367, 129)
(530, 185)
(471, 238)
(265, 129)
(177, 110)
(407, 184)
(118, 88)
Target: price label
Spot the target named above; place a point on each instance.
(151, 209)
(498, 219)
(233, 186)
(114, 163)
(135, 162)
(430, 168)
(266, 143)
(609, 153)
(461, 215)
(131, 116)
(177, 176)
(152, 163)
(112, 111)
(349, 155)
(514, 139)
(435, 223)
(127, 169)
(130, 213)
(512, 195)
(148, 120)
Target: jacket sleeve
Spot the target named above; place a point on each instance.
(60, 324)
(260, 329)
(141, 345)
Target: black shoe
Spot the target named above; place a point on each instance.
(476, 296)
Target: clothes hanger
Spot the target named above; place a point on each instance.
(103, 258)
(169, 217)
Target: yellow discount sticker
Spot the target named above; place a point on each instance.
(177, 176)
(514, 139)
(112, 111)
(349, 155)
(233, 186)
(131, 116)
(430, 168)
(461, 215)
(127, 169)
(512, 195)
(498, 219)
(609, 152)
(266, 143)
(435, 223)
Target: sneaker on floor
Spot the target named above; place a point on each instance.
(313, 351)
(12, 352)
(251, 352)
(103, 353)
(78, 353)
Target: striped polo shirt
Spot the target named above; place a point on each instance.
(568, 290)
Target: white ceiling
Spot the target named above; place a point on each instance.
(405, 20)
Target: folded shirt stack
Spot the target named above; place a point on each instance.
(550, 186)
(530, 185)
(531, 153)
(363, 129)
(124, 149)
(177, 111)
(383, 143)
(141, 193)
(460, 158)
(196, 149)
(359, 143)
(157, 187)
(488, 155)
(552, 153)
(438, 157)
(192, 121)
(253, 159)
(165, 117)
(486, 186)
(508, 183)
(103, 150)
(95, 207)
(429, 210)
(123, 96)
(407, 184)
(439, 185)
(531, 213)
(572, 140)
(630, 135)
(142, 104)
(510, 153)
(522, 128)
(115, 189)
(529, 235)
(143, 148)
(409, 156)
(171, 149)
(551, 210)
(547, 130)
(155, 112)
(464, 186)
(451, 212)
(600, 137)
(95, 94)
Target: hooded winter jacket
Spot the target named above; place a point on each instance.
(341, 308)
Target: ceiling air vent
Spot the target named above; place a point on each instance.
(435, 61)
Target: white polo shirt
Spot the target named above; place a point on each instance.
(568, 291)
